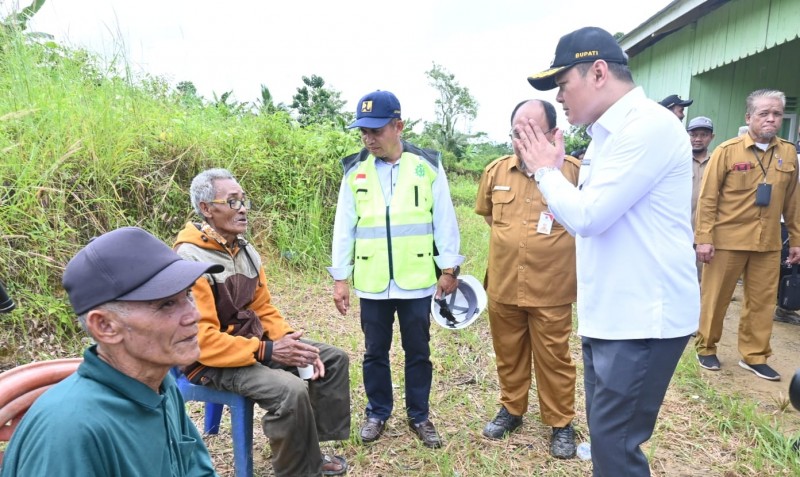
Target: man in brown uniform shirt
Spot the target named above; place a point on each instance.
(749, 182)
(701, 133)
(530, 310)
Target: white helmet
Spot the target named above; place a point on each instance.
(460, 308)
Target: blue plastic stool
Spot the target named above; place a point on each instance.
(241, 419)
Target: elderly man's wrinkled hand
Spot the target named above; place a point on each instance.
(290, 351)
(319, 370)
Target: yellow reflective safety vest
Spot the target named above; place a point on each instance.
(395, 240)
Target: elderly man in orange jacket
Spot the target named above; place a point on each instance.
(246, 345)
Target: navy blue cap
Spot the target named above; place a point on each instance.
(675, 100)
(128, 264)
(585, 45)
(376, 109)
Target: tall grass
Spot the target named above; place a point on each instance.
(86, 150)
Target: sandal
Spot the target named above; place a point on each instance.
(333, 465)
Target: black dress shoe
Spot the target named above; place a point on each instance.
(426, 431)
(503, 424)
(372, 429)
(562, 442)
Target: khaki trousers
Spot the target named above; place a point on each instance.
(759, 272)
(518, 332)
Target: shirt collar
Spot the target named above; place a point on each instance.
(749, 142)
(614, 117)
(207, 229)
(134, 390)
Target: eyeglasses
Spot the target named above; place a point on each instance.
(234, 204)
(515, 135)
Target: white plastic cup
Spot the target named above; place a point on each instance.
(584, 451)
(305, 372)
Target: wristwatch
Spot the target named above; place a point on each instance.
(453, 272)
(540, 172)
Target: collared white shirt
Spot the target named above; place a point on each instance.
(631, 215)
(445, 230)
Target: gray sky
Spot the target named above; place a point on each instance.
(357, 46)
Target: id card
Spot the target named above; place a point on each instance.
(763, 194)
(545, 223)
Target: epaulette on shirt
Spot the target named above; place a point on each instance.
(495, 162)
(731, 141)
(433, 157)
(573, 160)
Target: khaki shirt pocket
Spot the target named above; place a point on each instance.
(501, 202)
(745, 180)
(785, 172)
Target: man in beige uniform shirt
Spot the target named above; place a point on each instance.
(701, 133)
(750, 181)
(530, 310)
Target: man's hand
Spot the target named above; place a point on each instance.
(446, 285)
(290, 351)
(535, 150)
(319, 370)
(341, 296)
(705, 252)
(794, 255)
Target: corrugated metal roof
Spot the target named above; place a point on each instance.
(737, 29)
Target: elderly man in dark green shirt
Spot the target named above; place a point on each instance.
(121, 412)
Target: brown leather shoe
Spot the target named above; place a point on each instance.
(426, 431)
(372, 429)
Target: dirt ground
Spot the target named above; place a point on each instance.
(785, 360)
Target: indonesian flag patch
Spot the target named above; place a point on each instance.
(361, 178)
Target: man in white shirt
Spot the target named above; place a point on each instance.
(638, 297)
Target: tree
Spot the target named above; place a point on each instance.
(576, 138)
(266, 103)
(187, 94)
(455, 103)
(316, 104)
(229, 108)
(19, 21)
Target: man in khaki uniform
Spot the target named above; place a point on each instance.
(530, 310)
(701, 133)
(750, 181)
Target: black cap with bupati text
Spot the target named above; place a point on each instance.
(585, 45)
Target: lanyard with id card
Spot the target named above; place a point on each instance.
(764, 190)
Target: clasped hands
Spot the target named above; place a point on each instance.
(290, 351)
(533, 148)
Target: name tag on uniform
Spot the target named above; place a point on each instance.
(497, 187)
(545, 223)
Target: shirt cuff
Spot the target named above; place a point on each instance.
(340, 273)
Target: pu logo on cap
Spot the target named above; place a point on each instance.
(366, 107)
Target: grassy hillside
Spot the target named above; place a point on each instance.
(86, 150)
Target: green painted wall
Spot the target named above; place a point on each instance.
(719, 59)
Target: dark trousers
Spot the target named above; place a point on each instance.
(625, 383)
(377, 320)
(300, 413)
